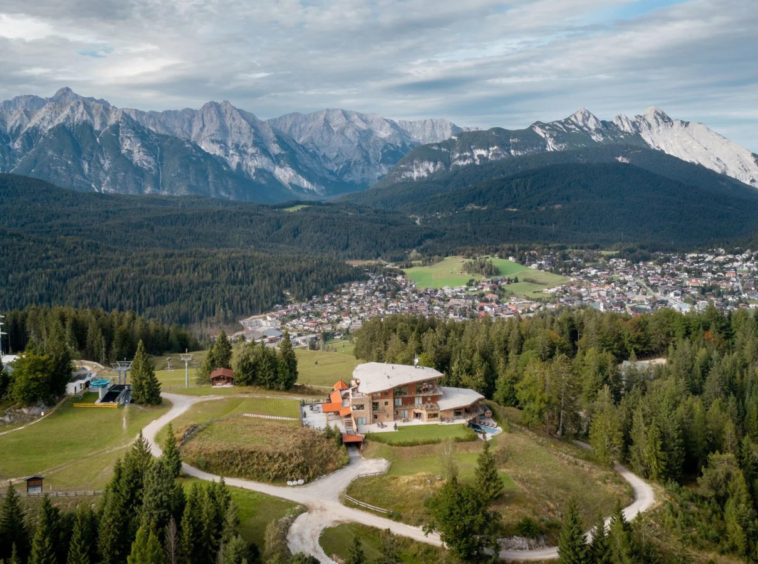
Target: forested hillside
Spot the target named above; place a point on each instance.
(603, 203)
(692, 421)
(402, 195)
(179, 260)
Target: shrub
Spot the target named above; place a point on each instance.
(528, 528)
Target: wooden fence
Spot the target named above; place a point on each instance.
(58, 494)
(366, 505)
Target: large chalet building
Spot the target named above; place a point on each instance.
(388, 393)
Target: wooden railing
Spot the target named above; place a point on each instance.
(366, 505)
(58, 494)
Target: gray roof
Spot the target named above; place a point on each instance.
(377, 376)
(453, 398)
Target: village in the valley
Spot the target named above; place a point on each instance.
(593, 279)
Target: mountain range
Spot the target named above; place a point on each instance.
(688, 141)
(219, 150)
(222, 151)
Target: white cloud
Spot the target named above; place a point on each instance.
(479, 62)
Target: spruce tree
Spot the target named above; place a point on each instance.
(572, 546)
(356, 555)
(192, 527)
(15, 558)
(223, 351)
(600, 550)
(288, 365)
(81, 539)
(488, 480)
(655, 456)
(157, 498)
(146, 549)
(43, 544)
(172, 458)
(12, 526)
(146, 390)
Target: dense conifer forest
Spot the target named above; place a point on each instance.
(688, 421)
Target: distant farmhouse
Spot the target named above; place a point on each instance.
(386, 393)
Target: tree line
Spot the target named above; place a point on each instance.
(145, 516)
(92, 333)
(689, 422)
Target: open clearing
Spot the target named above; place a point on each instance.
(539, 476)
(448, 272)
(316, 368)
(338, 540)
(74, 448)
(205, 411)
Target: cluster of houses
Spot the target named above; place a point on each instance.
(681, 282)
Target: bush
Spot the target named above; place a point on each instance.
(528, 528)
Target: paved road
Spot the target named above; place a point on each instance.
(322, 497)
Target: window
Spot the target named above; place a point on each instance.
(361, 420)
(359, 407)
(386, 403)
(375, 405)
(401, 391)
(398, 402)
(404, 413)
(419, 401)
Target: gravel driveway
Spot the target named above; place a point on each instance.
(322, 497)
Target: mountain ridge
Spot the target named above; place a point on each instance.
(256, 160)
(688, 141)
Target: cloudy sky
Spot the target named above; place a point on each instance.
(477, 62)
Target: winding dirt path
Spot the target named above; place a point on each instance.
(322, 497)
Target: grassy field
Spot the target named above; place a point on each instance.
(74, 448)
(298, 207)
(539, 476)
(214, 409)
(448, 273)
(424, 434)
(338, 540)
(317, 368)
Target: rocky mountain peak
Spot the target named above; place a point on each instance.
(586, 119)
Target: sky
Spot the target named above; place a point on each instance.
(478, 63)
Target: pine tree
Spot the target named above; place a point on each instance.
(43, 544)
(81, 539)
(622, 545)
(488, 480)
(15, 558)
(172, 458)
(572, 546)
(356, 555)
(146, 390)
(655, 456)
(157, 497)
(288, 372)
(192, 527)
(599, 549)
(146, 549)
(12, 526)
(223, 351)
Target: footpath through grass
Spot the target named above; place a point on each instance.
(74, 448)
(338, 540)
